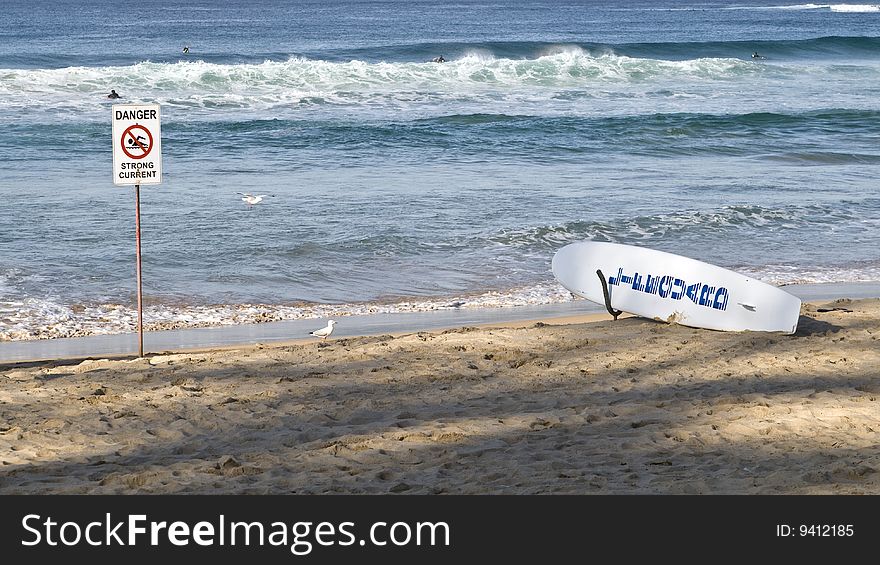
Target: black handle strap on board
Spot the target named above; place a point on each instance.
(611, 310)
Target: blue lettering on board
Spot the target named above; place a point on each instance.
(673, 288)
(651, 284)
(665, 286)
(615, 281)
(704, 295)
(720, 302)
(637, 283)
(692, 291)
(676, 294)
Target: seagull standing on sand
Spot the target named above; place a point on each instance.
(325, 331)
(252, 199)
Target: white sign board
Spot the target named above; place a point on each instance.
(137, 144)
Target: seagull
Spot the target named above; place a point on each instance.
(252, 199)
(325, 331)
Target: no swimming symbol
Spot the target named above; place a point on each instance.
(137, 141)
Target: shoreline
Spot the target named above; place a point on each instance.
(296, 331)
(632, 406)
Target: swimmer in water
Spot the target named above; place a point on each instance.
(113, 95)
(186, 48)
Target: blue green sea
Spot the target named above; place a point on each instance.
(394, 183)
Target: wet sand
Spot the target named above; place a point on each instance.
(554, 406)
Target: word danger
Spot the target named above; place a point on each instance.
(137, 170)
(668, 286)
(136, 115)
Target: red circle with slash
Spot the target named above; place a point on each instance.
(135, 143)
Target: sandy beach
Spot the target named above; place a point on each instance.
(556, 406)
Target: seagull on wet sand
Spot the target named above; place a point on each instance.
(325, 331)
(252, 199)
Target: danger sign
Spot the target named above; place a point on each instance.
(137, 151)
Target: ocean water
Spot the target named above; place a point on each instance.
(399, 184)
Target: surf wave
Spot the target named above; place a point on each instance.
(678, 226)
(49, 319)
(209, 91)
(588, 78)
(32, 319)
(855, 8)
(786, 274)
(562, 86)
(310, 77)
(455, 51)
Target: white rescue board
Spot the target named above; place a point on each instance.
(676, 289)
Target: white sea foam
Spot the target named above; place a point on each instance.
(47, 319)
(801, 7)
(859, 8)
(790, 274)
(286, 84)
(855, 7)
(657, 226)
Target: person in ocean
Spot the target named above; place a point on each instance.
(186, 48)
(113, 95)
(439, 59)
(756, 56)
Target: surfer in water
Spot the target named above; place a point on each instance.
(113, 95)
(439, 59)
(756, 56)
(186, 49)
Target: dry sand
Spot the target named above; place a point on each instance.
(632, 406)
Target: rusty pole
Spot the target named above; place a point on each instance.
(137, 229)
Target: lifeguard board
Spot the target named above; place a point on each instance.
(668, 287)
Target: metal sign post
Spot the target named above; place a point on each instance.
(137, 231)
(137, 160)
